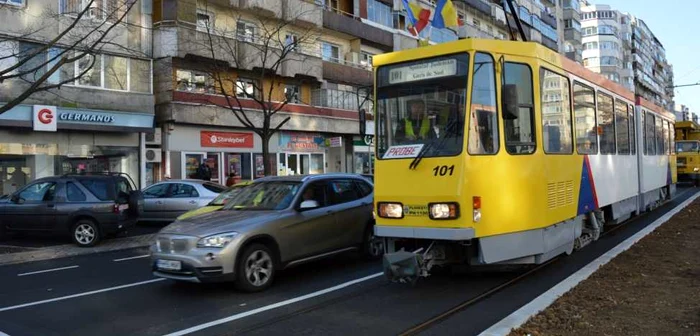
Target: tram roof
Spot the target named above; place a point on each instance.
(520, 49)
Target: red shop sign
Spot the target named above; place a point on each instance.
(226, 139)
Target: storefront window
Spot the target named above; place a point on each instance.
(260, 170)
(238, 164)
(362, 163)
(22, 163)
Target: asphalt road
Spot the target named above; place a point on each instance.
(106, 294)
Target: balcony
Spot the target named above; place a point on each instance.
(573, 35)
(351, 25)
(479, 5)
(469, 31)
(550, 20)
(349, 71)
(301, 65)
(302, 13)
(549, 43)
(263, 8)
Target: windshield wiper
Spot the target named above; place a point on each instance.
(449, 130)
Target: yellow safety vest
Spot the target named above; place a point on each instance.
(424, 127)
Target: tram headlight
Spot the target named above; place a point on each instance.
(444, 210)
(390, 210)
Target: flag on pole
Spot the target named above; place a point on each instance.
(445, 15)
(418, 16)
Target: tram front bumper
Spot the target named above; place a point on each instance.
(403, 266)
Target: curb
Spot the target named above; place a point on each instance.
(542, 302)
(70, 250)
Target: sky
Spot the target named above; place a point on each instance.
(674, 22)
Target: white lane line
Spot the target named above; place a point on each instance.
(522, 315)
(130, 258)
(36, 303)
(273, 306)
(49, 270)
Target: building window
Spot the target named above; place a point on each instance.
(520, 128)
(366, 59)
(291, 42)
(115, 75)
(632, 125)
(606, 124)
(380, 13)
(330, 52)
(195, 81)
(660, 150)
(622, 127)
(92, 71)
(483, 123)
(99, 9)
(246, 88)
(245, 31)
(556, 113)
(13, 2)
(204, 21)
(292, 93)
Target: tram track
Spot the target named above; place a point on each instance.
(437, 319)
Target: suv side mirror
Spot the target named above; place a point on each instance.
(509, 101)
(310, 204)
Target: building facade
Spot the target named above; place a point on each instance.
(572, 30)
(622, 47)
(97, 123)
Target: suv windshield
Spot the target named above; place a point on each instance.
(419, 102)
(227, 195)
(274, 195)
(687, 146)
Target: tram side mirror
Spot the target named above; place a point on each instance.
(363, 122)
(509, 103)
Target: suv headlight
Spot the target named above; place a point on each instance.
(218, 240)
(443, 210)
(390, 210)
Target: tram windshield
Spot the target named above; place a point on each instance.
(421, 103)
(687, 146)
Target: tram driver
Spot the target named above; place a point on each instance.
(416, 125)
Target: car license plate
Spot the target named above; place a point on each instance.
(170, 265)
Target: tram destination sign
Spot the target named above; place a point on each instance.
(423, 71)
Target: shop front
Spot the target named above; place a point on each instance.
(363, 150)
(236, 154)
(40, 141)
(301, 153)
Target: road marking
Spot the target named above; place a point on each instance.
(522, 315)
(273, 306)
(49, 270)
(36, 303)
(130, 258)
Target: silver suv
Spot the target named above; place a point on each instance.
(272, 224)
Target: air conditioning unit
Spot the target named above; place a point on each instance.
(154, 138)
(153, 155)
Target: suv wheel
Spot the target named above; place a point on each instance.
(373, 246)
(85, 233)
(256, 269)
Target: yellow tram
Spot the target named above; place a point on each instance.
(505, 152)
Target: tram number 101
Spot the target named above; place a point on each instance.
(443, 170)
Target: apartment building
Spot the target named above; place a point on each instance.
(572, 30)
(95, 122)
(622, 47)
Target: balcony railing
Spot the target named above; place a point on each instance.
(338, 99)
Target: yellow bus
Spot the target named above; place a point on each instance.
(505, 152)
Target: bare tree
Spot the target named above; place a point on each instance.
(266, 51)
(76, 33)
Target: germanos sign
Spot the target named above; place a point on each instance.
(226, 139)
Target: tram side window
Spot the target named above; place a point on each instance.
(649, 138)
(556, 113)
(483, 124)
(606, 123)
(667, 149)
(672, 138)
(584, 111)
(622, 127)
(633, 138)
(520, 129)
(659, 137)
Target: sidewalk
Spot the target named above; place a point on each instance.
(69, 250)
(651, 289)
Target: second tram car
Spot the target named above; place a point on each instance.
(505, 152)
